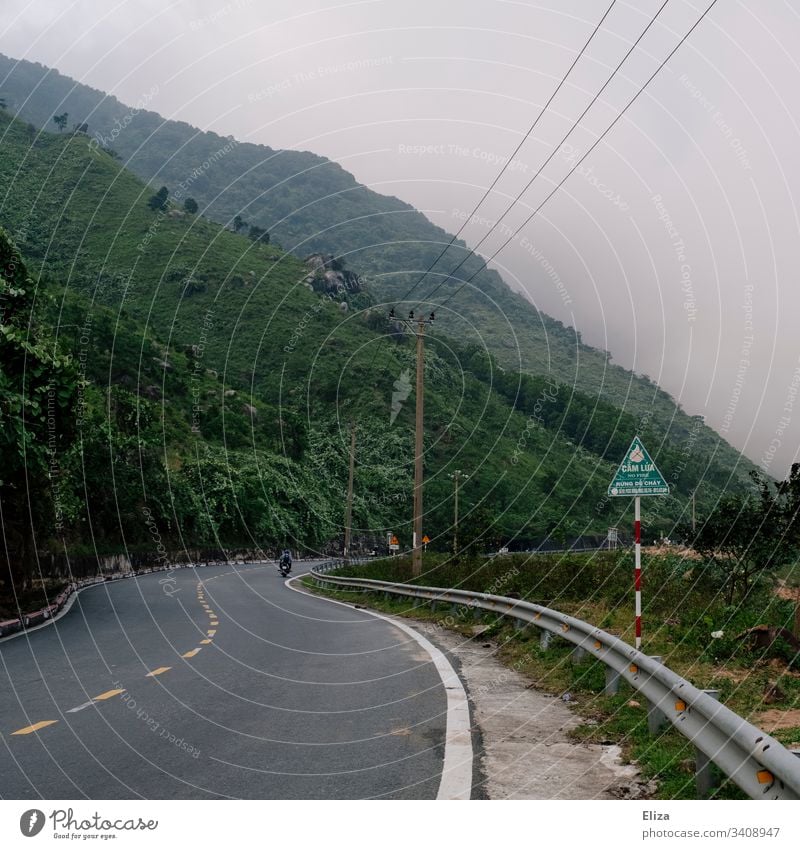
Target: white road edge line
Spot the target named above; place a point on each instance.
(456, 780)
(47, 622)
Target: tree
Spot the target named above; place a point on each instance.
(788, 492)
(750, 534)
(478, 529)
(38, 389)
(3, 104)
(159, 200)
(81, 129)
(190, 205)
(61, 121)
(258, 235)
(238, 223)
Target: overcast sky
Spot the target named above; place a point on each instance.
(675, 245)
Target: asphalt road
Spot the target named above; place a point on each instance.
(219, 682)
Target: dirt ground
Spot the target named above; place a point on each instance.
(527, 753)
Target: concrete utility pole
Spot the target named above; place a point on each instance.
(456, 476)
(416, 563)
(348, 514)
(419, 447)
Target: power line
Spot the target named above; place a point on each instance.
(554, 151)
(577, 164)
(514, 153)
(527, 135)
(503, 169)
(484, 264)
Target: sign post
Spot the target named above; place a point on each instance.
(636, 476)
(394, 544)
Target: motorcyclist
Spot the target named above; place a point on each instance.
(285, 563)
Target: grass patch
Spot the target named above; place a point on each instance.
(682, 611)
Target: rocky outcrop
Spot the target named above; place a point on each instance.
(328, 276)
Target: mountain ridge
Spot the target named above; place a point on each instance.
(307, 194)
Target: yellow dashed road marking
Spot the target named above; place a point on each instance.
(213, 622)
(191, 653)
(204, 642)
(109, 694)
(160, 671)
(211, 633)
(29, 729)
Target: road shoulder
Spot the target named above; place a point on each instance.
(527, 752)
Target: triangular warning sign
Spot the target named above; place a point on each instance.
(637, 474)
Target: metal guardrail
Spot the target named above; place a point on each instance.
(751, 758)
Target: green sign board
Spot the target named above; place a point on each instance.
(637, 474)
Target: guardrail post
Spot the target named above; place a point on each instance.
(612, 682)
(578, 654)
(611, 687)
(519, 624)
(544, 639)
(656, 719)
(705, 779)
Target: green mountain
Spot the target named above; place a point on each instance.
(310, 204)
(211, 378)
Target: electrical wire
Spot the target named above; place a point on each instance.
(578, 163)
(513, 154)
(554, 151)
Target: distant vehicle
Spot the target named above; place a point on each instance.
(503, 550)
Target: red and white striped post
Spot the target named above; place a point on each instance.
(637, 572)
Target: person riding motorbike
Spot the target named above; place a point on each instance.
(285, 562)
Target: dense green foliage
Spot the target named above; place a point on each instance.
(218, 376)
(310, 204)
(37, 393)
(748, 535)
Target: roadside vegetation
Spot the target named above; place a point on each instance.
(688, 620)
(194, 386)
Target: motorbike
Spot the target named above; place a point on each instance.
(285, 567)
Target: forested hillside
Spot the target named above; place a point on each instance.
(206, 382)
(310, 204)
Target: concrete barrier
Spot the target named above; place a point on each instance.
(10, 626)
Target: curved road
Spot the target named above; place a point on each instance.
(213, 683)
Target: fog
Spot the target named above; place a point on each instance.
(673, 245)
